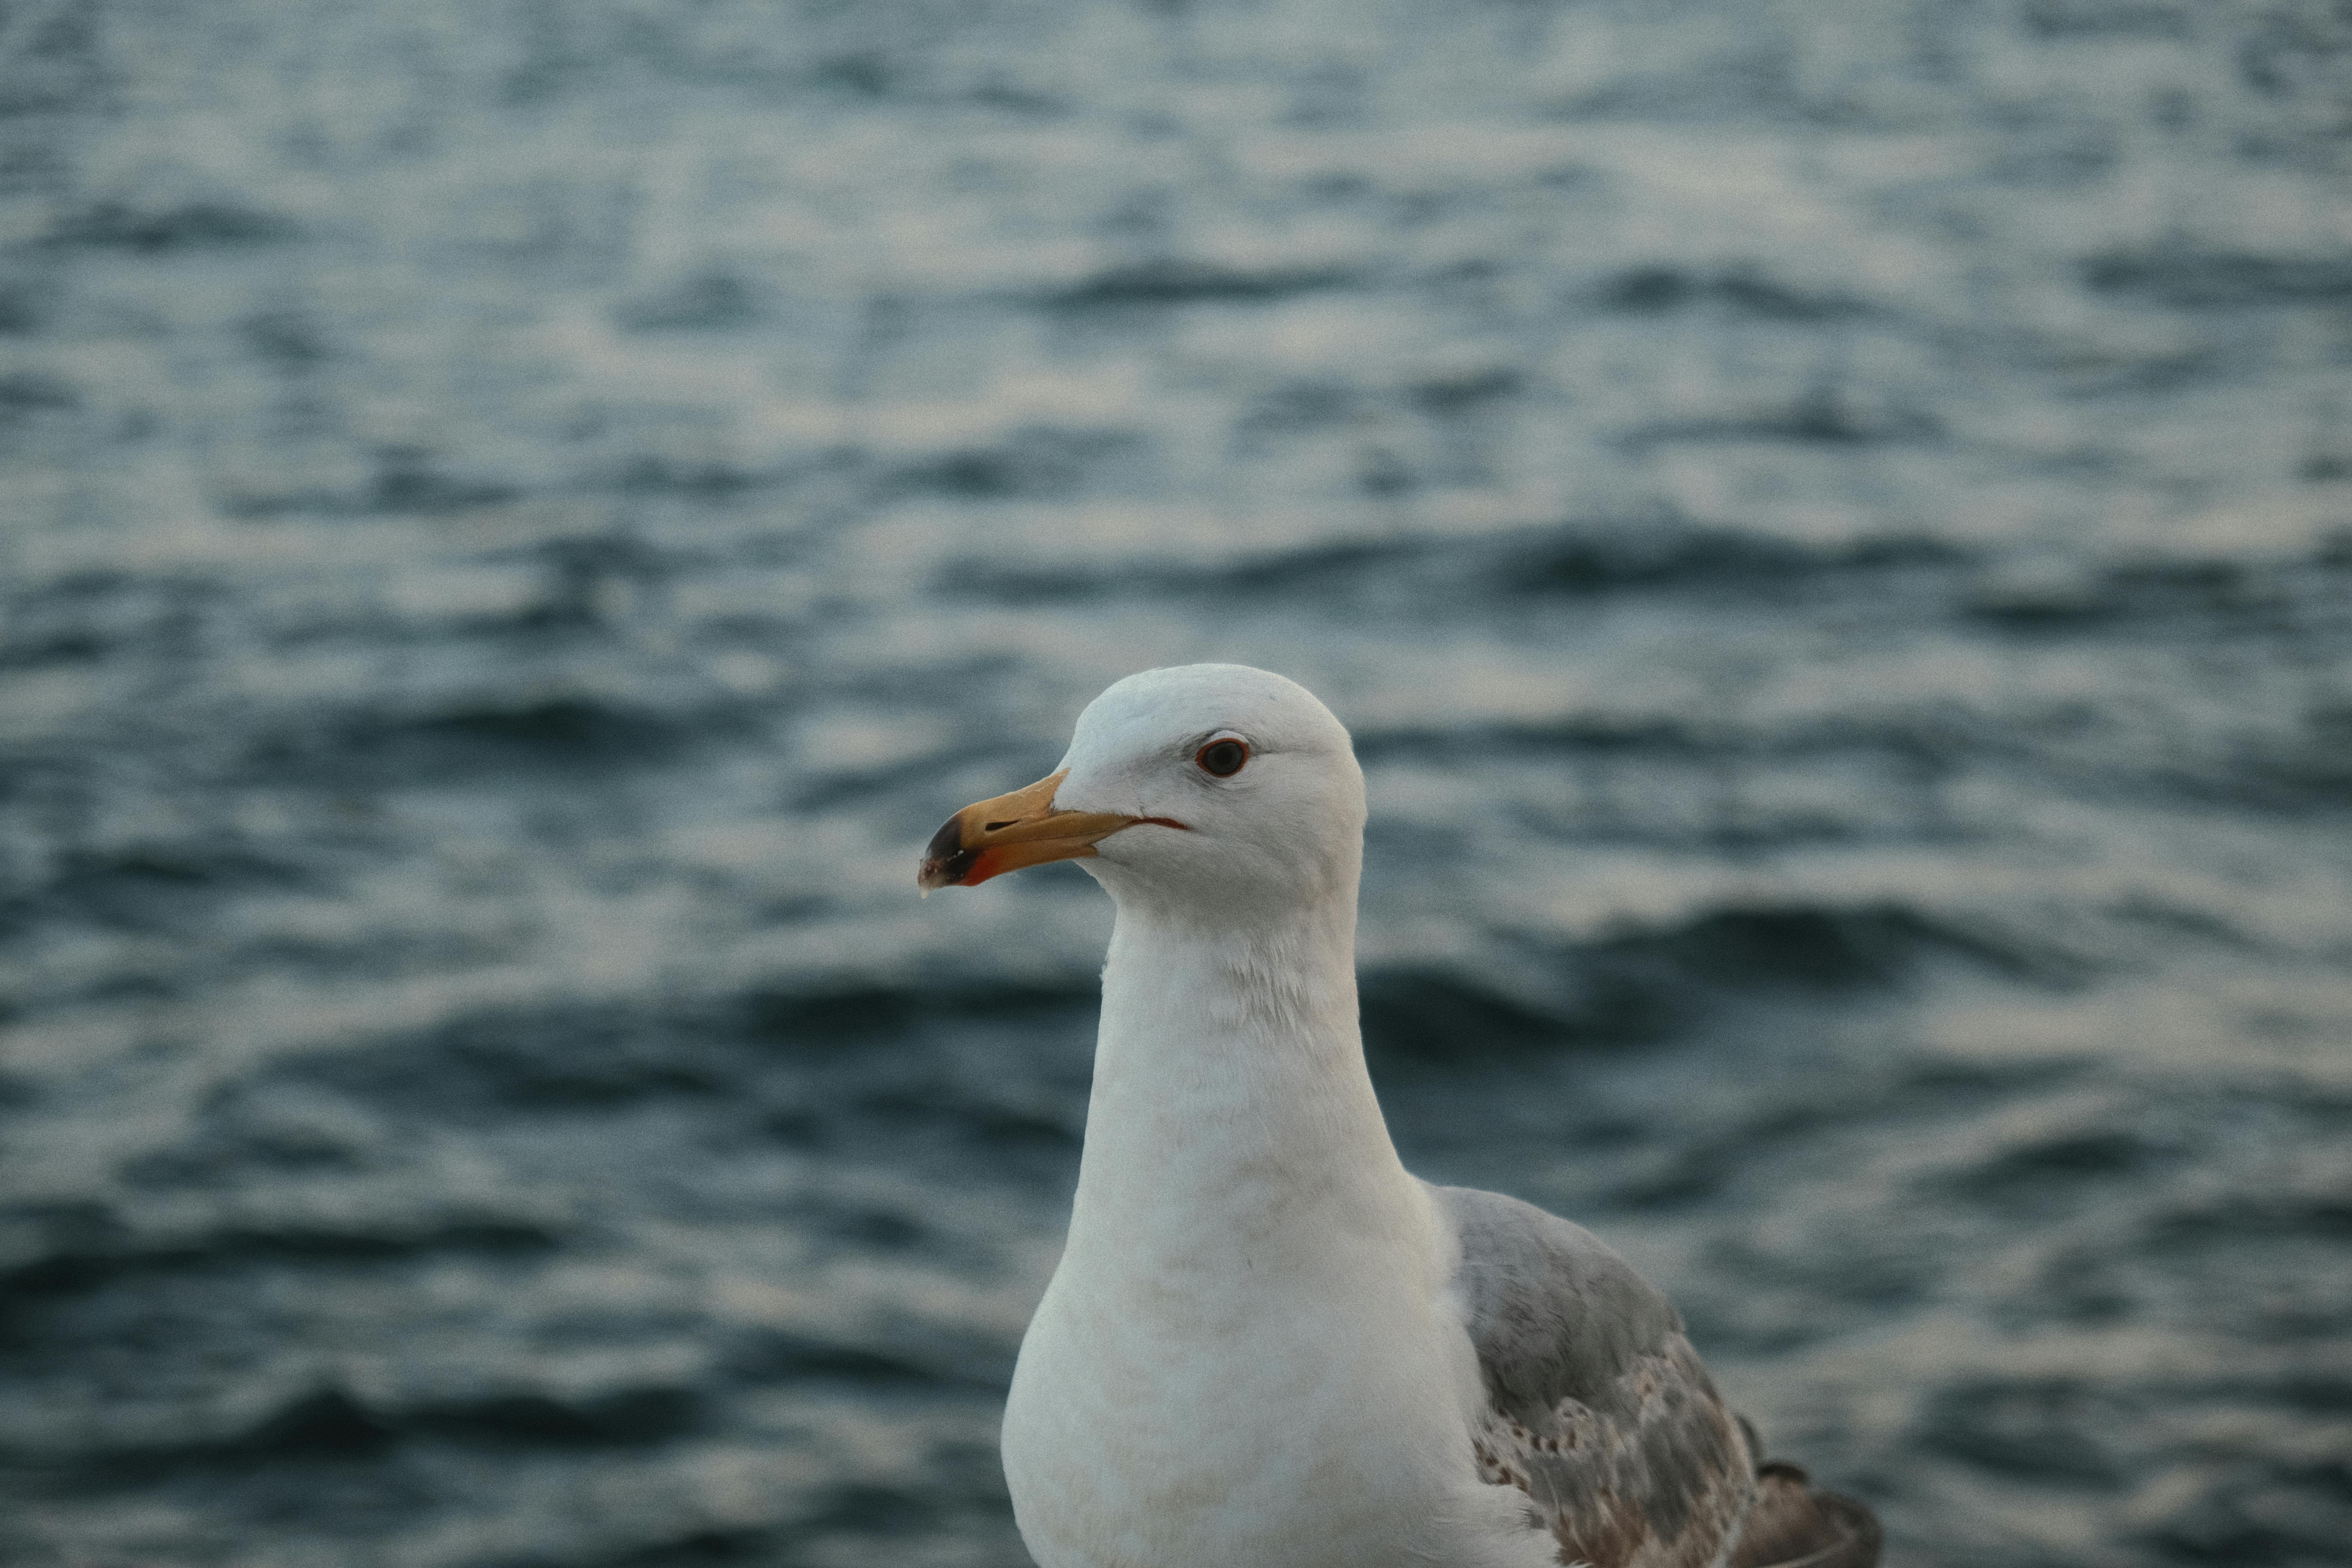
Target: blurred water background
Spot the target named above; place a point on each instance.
(1831, 522)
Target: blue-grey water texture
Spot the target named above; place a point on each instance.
(1831, 522)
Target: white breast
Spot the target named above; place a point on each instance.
(1303, 1402)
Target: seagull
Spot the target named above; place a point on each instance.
(1266, 1344)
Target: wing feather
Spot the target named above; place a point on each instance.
(1596, 1407)
(1599, 1409)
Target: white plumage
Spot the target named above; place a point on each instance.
(1266, 1342)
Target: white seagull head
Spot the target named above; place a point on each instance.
(1214, 791)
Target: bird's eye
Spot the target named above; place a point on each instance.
(1222, 759)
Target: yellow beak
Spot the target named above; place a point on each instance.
(993, 836)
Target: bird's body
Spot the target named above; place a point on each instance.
(1268, 1345)
(1243, 1232)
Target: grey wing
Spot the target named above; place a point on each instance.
(1599, 1409)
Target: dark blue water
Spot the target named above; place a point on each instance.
(1832, 525)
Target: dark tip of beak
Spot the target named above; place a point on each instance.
(946, 861)
(945, 873)
(948, 873)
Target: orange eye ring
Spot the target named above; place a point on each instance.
(1222, 759)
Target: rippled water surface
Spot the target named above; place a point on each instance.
(1831, 524)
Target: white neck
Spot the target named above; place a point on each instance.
(1250, 1271)
(1232, 1112)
